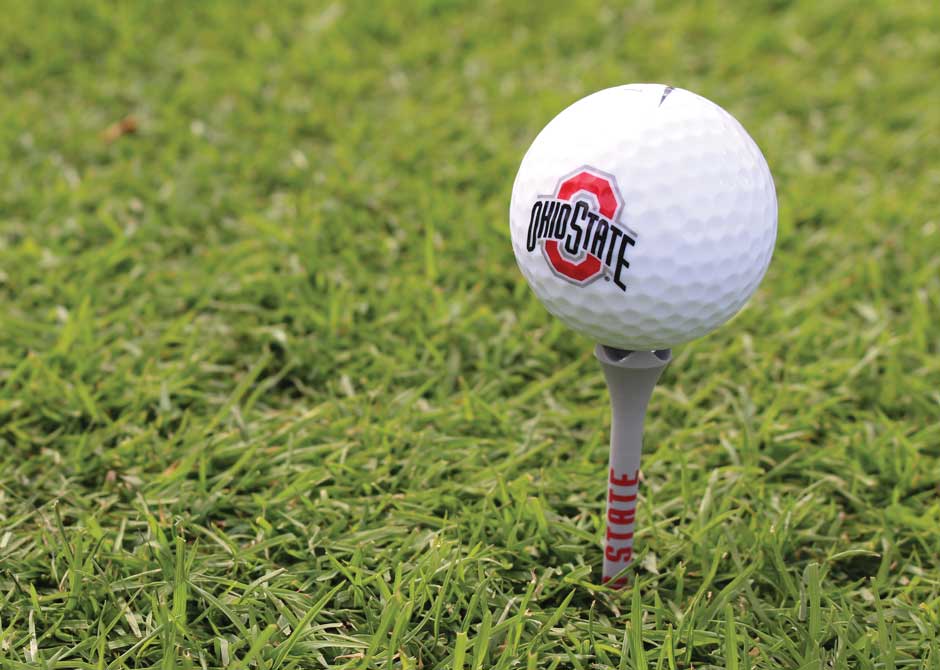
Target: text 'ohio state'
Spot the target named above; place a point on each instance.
(579, 229)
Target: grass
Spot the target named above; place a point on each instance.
(273, 393)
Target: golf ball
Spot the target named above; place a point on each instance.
(643, 216)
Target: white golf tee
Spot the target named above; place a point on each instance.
(631, 376)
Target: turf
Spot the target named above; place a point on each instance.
(273, 393)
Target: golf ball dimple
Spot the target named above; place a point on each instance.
(643, 216)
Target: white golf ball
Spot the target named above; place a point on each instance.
(643, 216)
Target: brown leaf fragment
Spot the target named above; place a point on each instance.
(126, 126)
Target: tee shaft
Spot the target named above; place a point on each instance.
(631, 376)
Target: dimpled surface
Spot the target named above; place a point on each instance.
(697, 196)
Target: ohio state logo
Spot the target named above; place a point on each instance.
(579, 230)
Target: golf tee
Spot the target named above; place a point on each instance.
(631, 376)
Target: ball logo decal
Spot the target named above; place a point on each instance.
(579, 231)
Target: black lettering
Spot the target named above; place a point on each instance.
(622, 262)
(600, 238)
(592, 217)
(561, 222)
(550, 231)
(574, 239)
(615, 232)
(532, 237)
(545, 220)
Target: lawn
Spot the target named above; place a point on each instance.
(274, 394)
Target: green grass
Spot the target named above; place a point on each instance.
(273, 393)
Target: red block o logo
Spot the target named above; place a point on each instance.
(608, 201)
